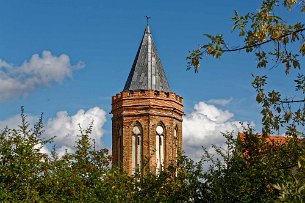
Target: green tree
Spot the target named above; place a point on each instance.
(78, 176)
(85, 175)
(21, 163)
(28, 175)
(252, 169)
(275, 43)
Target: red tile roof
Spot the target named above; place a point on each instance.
(271, 139)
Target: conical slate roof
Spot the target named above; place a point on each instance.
(147, 72)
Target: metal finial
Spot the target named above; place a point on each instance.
(147, 19)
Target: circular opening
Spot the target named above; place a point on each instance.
(136, 130)
(160, 130)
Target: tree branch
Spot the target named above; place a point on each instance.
(293, 101)
(262, 43)
(288, 166)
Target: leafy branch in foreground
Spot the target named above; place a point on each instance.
(274, 43)
(245, 170)
(265, 172)
(257, 29)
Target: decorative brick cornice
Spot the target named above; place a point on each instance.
(147, 99)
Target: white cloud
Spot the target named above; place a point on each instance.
(204, 126)
(42, 149)
(61, 151)
(221, 102)
(66, 127)
(14, 121)
(38, 71)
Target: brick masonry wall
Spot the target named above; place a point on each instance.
(149, 108)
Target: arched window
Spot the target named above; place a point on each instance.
(176, 143)
(160, 148)
(119, 146)
(176, 147)
(136, 148)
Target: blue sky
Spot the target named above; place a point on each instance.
(100, 39)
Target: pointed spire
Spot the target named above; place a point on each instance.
(147, 20)
(147, 72)
(147, 30)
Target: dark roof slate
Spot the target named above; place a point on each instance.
(147, 72)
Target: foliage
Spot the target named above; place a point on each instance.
(247, 170)
(86, 175)
(21, 164)
(275, 43)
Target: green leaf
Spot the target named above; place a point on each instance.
(302, 49)
(296, 64)
(277, 186)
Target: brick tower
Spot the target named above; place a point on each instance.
(147, 116)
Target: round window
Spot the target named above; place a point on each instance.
(159, 130)
(136, 130)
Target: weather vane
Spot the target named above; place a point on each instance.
(147, 19)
